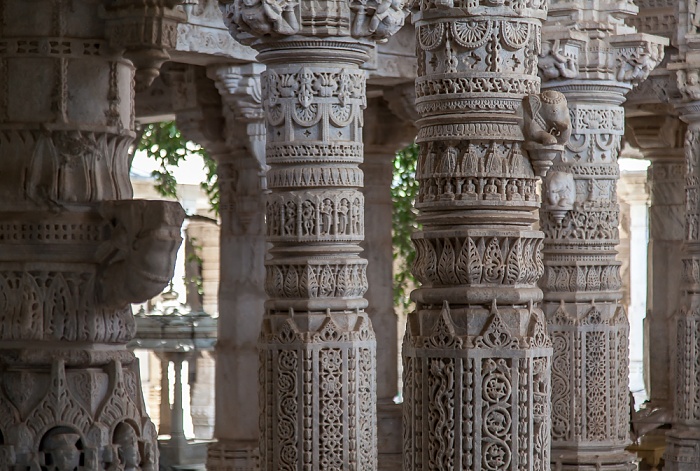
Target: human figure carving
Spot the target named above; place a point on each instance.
(266, 16)
(61, 452)
(547, 120)
(387, 19)
(553, 64)
(128, 456)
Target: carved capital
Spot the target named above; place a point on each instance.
(253, 20)
(636, 55)
(144, 29)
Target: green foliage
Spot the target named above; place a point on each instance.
(404, 190)
(164, 143)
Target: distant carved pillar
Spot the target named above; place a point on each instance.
(660, 139)
(683, 441)
(580, 216)
(317, 346)
(75, 250)
(241, 173)
(221, 109)
(384, 134)
(177, 428)
(205, 236)
(165, 419)
(476, 354)
(202, 393)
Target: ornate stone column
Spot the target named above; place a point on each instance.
(660, 139)
(75, 249)
(476, 355)
(383, 135)
(241, 173)
(317, 347)
(595, 68)
(220, 108)
(683, 441)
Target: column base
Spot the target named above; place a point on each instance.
(570, 460)
(682, 450)
(225, 455)
(389, 436)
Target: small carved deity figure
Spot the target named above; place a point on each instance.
(290, 218)
(128, 456)
(448, 160)
(356, 216)
(553, 64)
(343, 210)
(326, 217)
(547, 120)
(266, 16)
(61, 451)
(512, 191)
(308, 217)
(387, 19)
(638, 67)
(689, 83)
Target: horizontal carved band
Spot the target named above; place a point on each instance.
(324, 279)
(345, 86)
(327, 216)
(581, 278)
(453, 104)
(315, 152)
(468, 131)
(58, 46)
(597, 119)
(313, 176)
(479, 260)
(430, 86)
(53, 305)
(583, 225)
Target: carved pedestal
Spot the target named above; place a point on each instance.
(75, 250)
(580, 217)
(476, 355)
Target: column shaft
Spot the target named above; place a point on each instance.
(76, 251)
(476, 356)
(580, 218)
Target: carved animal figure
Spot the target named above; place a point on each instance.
(547, 120)
(561, 190)
(139, 258)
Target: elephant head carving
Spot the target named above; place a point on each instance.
(138, 260)
(547, 120)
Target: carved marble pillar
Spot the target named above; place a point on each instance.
(660, 139)
(76, 251)
(477, 358)
(317, 346)
(241, 175)
(384, 134)
(221, 109)
(165, 415)
(594, 66)
(683, 441)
